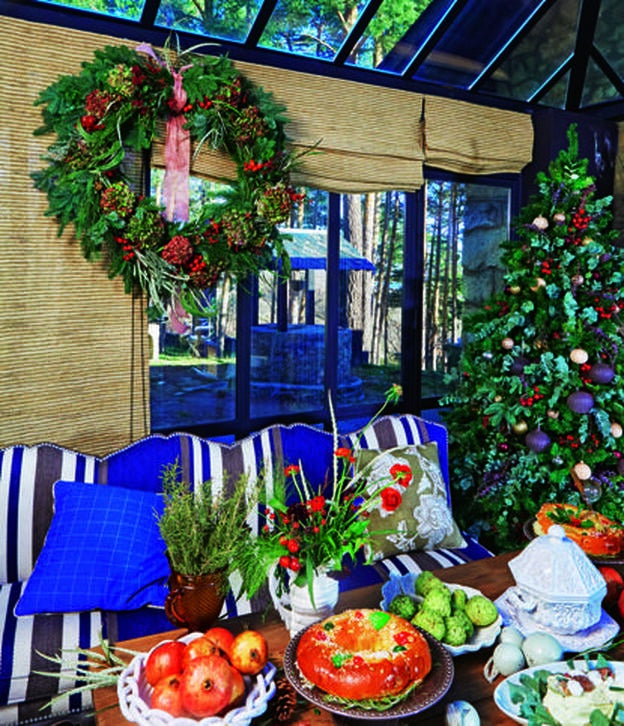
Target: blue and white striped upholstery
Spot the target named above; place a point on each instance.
(27, 476)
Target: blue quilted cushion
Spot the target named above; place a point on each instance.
(103, 551)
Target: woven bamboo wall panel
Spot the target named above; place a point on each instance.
(66, 359)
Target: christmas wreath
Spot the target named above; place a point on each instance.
(106, 117)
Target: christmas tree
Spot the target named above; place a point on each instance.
(537, 410)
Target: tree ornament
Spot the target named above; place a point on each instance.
(577, 280)
(537, 440)
(586, 241)
(601, 373)
(488, 355)
(519, 364)
(580, 402)
(520, 427)
(551, 413)
(540, 223)
(559, 218)
(582, 471)
(515, 289)
(616, 430)
(578, 355)
(507, 343)
(539, 282)
(592, 490)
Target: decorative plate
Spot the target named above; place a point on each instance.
(481, 638)
(618, 559)
(502, 697)
(432, 689)
(134, 694)
(592, 637)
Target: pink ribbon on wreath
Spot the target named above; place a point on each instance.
(177, 148)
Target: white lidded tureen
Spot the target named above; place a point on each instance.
(557, 583)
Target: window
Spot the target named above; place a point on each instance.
(370, 301)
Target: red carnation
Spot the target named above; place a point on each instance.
(401, 473)
(390, 499)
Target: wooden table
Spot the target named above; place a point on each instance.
(491, 576)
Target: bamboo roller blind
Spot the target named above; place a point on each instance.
(71, 364)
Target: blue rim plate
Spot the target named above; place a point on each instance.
(501, 693)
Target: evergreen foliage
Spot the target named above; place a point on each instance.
(537, 411)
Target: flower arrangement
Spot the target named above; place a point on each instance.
(106, 117)
(317, 528)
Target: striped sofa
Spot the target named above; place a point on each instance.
(27, 479)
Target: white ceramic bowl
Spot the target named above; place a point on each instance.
(134, 694)
(481, 638)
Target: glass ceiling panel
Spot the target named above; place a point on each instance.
(609, 37)
(390, 24)
(542, 51)
(597, 86)
(226, 19)
(476, 35)
(310, 28)
(128, 9)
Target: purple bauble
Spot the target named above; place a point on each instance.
(580, 402)
(537, 440)
(601, 373)
(517, 367)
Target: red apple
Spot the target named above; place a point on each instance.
(206, 684)
(198, 647)
(238, 689)
(221, 637)
(164, 660)
(615, 584)
(249, 652)
(167, 696)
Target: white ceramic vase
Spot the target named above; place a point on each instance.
(295, 606)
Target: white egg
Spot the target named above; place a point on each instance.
(539, 648)
(506, 659)
(510, 634)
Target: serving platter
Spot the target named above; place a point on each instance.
(432, 689)
(481, 638)
(528, 528)
(502, 695)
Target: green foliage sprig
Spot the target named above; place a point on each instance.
(205, 532)
(107, 116)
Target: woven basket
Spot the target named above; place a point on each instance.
(134, 695)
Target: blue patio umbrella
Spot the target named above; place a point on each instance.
(307, 249)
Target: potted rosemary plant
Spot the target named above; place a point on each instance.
(205, 534)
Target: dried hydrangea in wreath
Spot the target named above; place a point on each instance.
(107, 116)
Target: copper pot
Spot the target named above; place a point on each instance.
(195, 601)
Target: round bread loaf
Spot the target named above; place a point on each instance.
(363, 654)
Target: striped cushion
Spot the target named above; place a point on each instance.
(21, 641)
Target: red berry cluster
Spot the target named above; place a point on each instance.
(257, 166)
(606, 312)
(574, 442)
(127, 247)
(531, 398)
(580, 221)
(546, 266)
(211, 233)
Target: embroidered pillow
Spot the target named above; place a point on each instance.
(412, 512)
